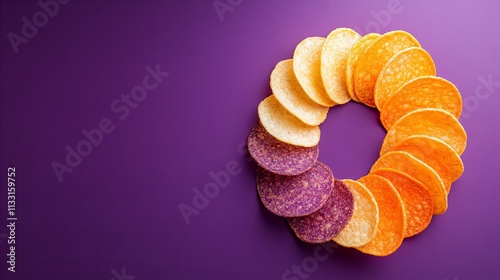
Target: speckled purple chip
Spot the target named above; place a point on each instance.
(278, 157)
(295, 196)
(329, 220)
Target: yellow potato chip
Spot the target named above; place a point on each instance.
(333, 63)
(307, 69)
(406, 163)
(435, 153)
(402, 67)
(284, 126)
(419, 93)
(364, 220)
(374, 58)
(417, 199)
(431, 122)
(290, 94)
(392, 221)
(352, 60)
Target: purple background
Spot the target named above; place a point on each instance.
(119, 207)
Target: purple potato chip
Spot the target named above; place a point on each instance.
(329, 220)
(295, 196)
(278, 157)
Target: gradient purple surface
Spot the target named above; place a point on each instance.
(119, 207)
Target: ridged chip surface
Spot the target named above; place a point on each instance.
(365, 216)
(333, 63)
(420, 93)
(402, 67)
(295, 196)
(352, 60)
(435, 153)
(290, 94)
(284, 126)
(374, 58)
(431, 122)
(416, 198)
(392, 224)
(417, 169)
(326, 223)
(278, 157)
(307, 65)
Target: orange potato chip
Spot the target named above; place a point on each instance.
(435, 153)
(413, 167)
(374, 58)
(417, 199)
(290, 94)
(284, 126)
(431, 122)
(333, 63)
(402, 67)
(307, 69)
(392, 222)
(352, 60)
(364, 220)
(419, 93)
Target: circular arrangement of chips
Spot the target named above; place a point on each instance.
(419, 158)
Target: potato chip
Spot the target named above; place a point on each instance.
(284, 126)
(406, 163)
(435, 153)
(352, 60)
(333, 63)
(419, 93)
(365, 216)
(278, 157)
(326, 223)
(294, 196)
(307, 69)
(417, 200)
(404, 66)
(431, 122)
(290, 94)
(392, 226)
(374, 58)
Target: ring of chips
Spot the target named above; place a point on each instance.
(419, 158)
